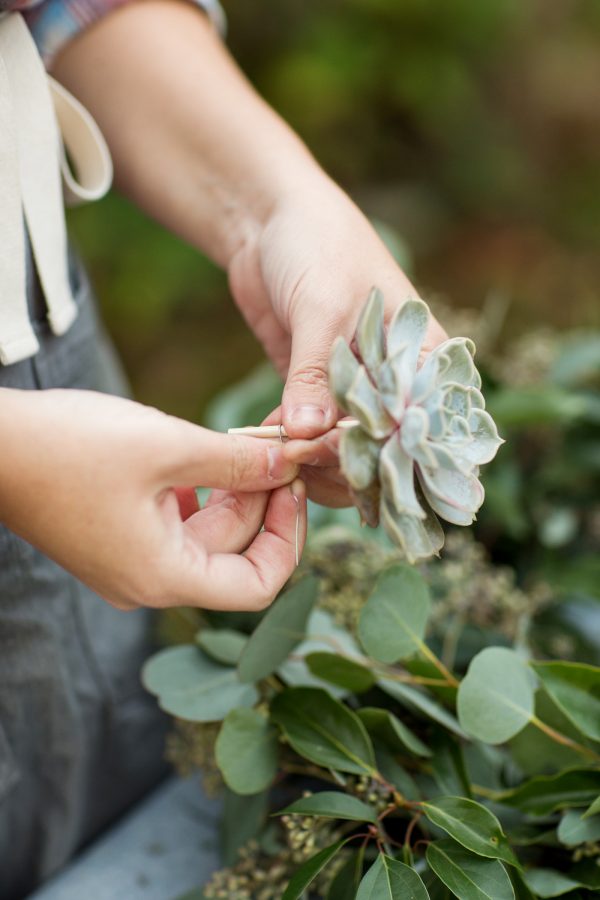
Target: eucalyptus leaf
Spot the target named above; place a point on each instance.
(223, 644)
(496, 697)
(418, 700)
(332, 805)
(577, 828)
(575, 688)
(390, 879)
(545, 794)
(388, 728)
(549, 883)
(323, 730)
(307, 873)
(323, 634)
(345, 881)
(469, 877)
(594, 809)
(341, 671)
(246, 751)
(393, 620)
(191, 686)
(280, 630)
(472, 825)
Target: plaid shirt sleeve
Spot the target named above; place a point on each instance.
(54, 22)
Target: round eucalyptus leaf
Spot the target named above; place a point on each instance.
(223, 644)
(246, 751)
(496, 697)
(393, 620)
(191, 686)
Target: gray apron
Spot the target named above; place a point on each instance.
(80, 741)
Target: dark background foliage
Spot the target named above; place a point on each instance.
(471, 128)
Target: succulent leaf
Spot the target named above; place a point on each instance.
(407, 329)
(393, 381)
(421, 434)
(343, 366)
(368, 503)
(397, 476)
(359, 456)
(364, 402)
(370, 332)
(417, 539)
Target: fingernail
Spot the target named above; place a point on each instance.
(308, 416)
(297, 487)
(279, 468)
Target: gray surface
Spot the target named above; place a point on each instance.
(166, 846)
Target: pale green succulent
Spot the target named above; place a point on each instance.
(421, 434)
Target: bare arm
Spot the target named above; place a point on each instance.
(193, 144)
(196, 147)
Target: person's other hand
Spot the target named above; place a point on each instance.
(301, 281)
(91, 480)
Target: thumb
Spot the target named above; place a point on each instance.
(229, 462)
(308, 409)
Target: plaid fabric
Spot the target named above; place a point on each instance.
(54, 22)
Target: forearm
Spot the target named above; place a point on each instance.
(192, 142)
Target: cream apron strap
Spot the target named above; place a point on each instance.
(38, 149)
(92, 172)
(17, 338)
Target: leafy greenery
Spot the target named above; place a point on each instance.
(436, 725)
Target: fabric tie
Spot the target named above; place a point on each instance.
(32, 156)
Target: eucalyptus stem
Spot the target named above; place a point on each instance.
(408, 677)
(560, 738)
(428, 653)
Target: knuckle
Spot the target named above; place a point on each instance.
(313, 375)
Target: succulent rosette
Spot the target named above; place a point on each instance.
(422, 433)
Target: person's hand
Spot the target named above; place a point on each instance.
(300, 282)
(91, 481)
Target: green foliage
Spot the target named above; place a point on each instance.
(496, 697)
(280, 630)
(576, 691)
(332, 805)
(469, 877)
(191, 686)
(323, 730)
(390, 879)
(431, 731)
(472, 825)
(392, 622)
(247, 751)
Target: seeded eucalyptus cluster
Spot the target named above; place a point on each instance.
(422, 433)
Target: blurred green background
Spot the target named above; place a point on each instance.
(471, 128)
